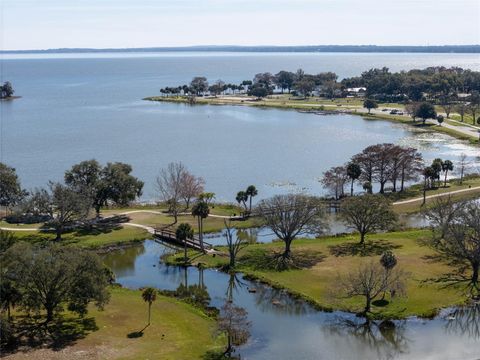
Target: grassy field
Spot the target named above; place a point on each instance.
(416, 191)
(336, 257)
(177, 331)
(89, 239)
(116, 233)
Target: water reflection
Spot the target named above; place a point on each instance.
(287, 328)
(333, 223)
(123, 260)
(386, 339)
(279, 301)
(235, 285)
(465, 321)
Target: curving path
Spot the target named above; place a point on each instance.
(436, 195)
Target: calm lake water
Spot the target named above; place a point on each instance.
(80, 106)
(285, 328)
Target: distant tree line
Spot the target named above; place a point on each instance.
(453, 89)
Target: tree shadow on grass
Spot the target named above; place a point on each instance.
(137, 334)
(101, 226)
(458, 276)
(30, 332)
(266, 259)
(369, 248)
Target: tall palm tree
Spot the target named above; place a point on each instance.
(184, 231)
(149, 295)
(353, 172)
(201, 211)
(251, 192)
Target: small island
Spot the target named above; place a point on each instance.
(6, 91)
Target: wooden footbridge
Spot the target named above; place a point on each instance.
(169, 236)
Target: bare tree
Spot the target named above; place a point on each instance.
(442, 213)
(367, 213)
(365, 160)
(461, 108)
(191, 187)
(335, 180)
(290, 216)
(370, 280)
(234, 245)
(176, 184)
(461, 243)
(382, 163)
(169, 185)
(462, 164)
(411, 165)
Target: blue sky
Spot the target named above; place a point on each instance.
(40, 24)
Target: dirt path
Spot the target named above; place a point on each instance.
(436, 195)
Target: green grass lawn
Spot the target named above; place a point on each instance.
(210, 224)
(319, 283)
(89, 239)
(177, 331)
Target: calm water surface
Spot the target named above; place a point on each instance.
(80, 106)
(285, 328)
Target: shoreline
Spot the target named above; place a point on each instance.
(317, 109)
(170, 260)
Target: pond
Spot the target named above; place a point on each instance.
(287, 328)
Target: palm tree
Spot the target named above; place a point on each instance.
(251, 192)
(201, 211)
(149, 295)
(446, 166)
(242, 198)
(353, 172)
(184, 231)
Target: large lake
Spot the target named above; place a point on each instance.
(81, 106)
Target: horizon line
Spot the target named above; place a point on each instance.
(472, 48)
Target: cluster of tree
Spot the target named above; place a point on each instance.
(264, 84)
(87, 186)
(247, 195)
(415, 85)
(381, 163)
(199, 86)
(454, 89)
(456, 236)
(6, 90)
(50, 278)
(432, 173)
(178, 187)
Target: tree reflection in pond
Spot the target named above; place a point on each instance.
(123, 260)
(234, 286)
(465, 321)
(386, 338)
(279, 301)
